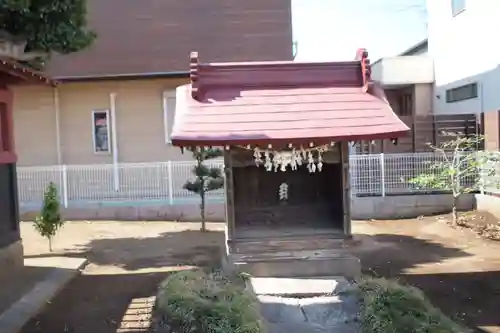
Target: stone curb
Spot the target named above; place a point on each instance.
(28, 306)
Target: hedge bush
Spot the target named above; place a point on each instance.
(389, 307)
(198, 302)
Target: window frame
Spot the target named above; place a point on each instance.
(456, 11)
(166, 96)
(108, 125)
(473, 85)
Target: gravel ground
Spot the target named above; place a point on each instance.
(458, 271)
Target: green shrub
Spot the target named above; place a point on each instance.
(196, 302)
(49, 220)
(388, 307)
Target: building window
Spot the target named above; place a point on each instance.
(457, 6)
(461, 93)
(168, 113)
(101, 131)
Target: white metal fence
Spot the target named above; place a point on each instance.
(129, 183)
(376, 174)
(391, 174)
(490, 176)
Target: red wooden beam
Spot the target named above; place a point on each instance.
(22, 72)
(7, 148)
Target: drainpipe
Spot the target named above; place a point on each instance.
(114, 141)
(58, 124)
(63, 175)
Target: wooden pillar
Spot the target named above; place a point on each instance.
(229, 187)
(9, 219)
(346, 187)
(480, 130)
(413, 136)
(413, 108)
(434, 131)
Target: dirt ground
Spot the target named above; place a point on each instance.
(458, 271)
(127, 261)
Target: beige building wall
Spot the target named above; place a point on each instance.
(139, 120)
(34, 125)
(491, 130)
(423, 98)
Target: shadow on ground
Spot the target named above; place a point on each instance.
(18, 282)
(98, 303)
(472, 298)
(187, 247)
(389, 255)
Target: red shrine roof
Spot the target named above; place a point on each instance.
(282, 103)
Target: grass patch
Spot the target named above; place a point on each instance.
(198, 302)
(388, 307)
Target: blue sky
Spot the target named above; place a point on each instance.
(335, 29)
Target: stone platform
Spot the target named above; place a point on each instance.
(305, 256)
(306, 305)
(299, 266)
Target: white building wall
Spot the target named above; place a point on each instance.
(404, 70)
(465, 50)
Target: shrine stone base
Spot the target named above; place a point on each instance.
(11, 258)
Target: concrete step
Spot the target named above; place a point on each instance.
(298, 265)
(299, 287)
(248, 246)
(285, 255)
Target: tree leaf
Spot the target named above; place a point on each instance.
(201, 170)
(49, 26)
(195, 186)
(215, 173)
(215, 184)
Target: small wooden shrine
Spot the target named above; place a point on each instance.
(286, 128)
(11, 73)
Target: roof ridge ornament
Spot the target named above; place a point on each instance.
(193, 74)
(366, 69)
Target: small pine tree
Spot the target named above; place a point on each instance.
(48, 222)
(207, 179)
